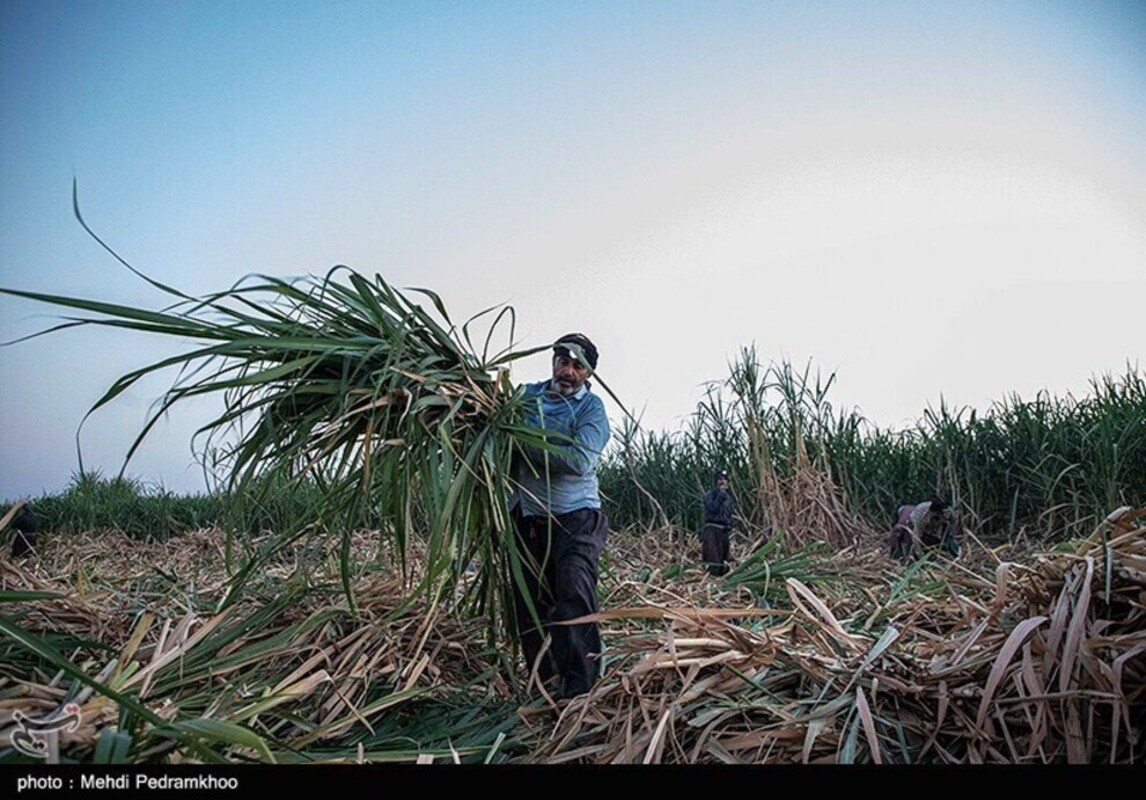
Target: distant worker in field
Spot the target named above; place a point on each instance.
(561, 528)
(715, 542)
(927, 525)
(24, 525)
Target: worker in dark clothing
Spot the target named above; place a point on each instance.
(714, 537)
(926, 526)
(560, 524)
(24, 526)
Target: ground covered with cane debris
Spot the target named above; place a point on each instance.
(801, 654)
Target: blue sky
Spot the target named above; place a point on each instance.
(931, 200)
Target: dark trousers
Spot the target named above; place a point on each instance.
(561, 554)
(714, 548)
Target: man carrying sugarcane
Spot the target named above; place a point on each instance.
(927, 525)
(561, 528)
(715, 536)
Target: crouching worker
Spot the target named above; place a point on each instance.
(925, 526)
(715, 536)
(24, 525)
(561, 528)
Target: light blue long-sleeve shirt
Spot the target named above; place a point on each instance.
(563, 482)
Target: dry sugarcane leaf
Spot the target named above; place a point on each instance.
(868, 725)
(656, 745)
(1076, 747)
(1076, 629)
(1002, 661)
(1036, 691)
(1121, 707)
(796, 590)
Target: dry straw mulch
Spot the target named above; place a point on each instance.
(255, 663)
(856, 658)
(1041, 662)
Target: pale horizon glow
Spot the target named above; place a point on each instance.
(935, 202)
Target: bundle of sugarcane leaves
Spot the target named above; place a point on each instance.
(141, 675)
(345, 383)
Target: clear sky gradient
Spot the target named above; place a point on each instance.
(936, 201)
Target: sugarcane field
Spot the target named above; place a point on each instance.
(1036, 660)
(345, 596)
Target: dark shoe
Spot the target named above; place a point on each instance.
(571, 688)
